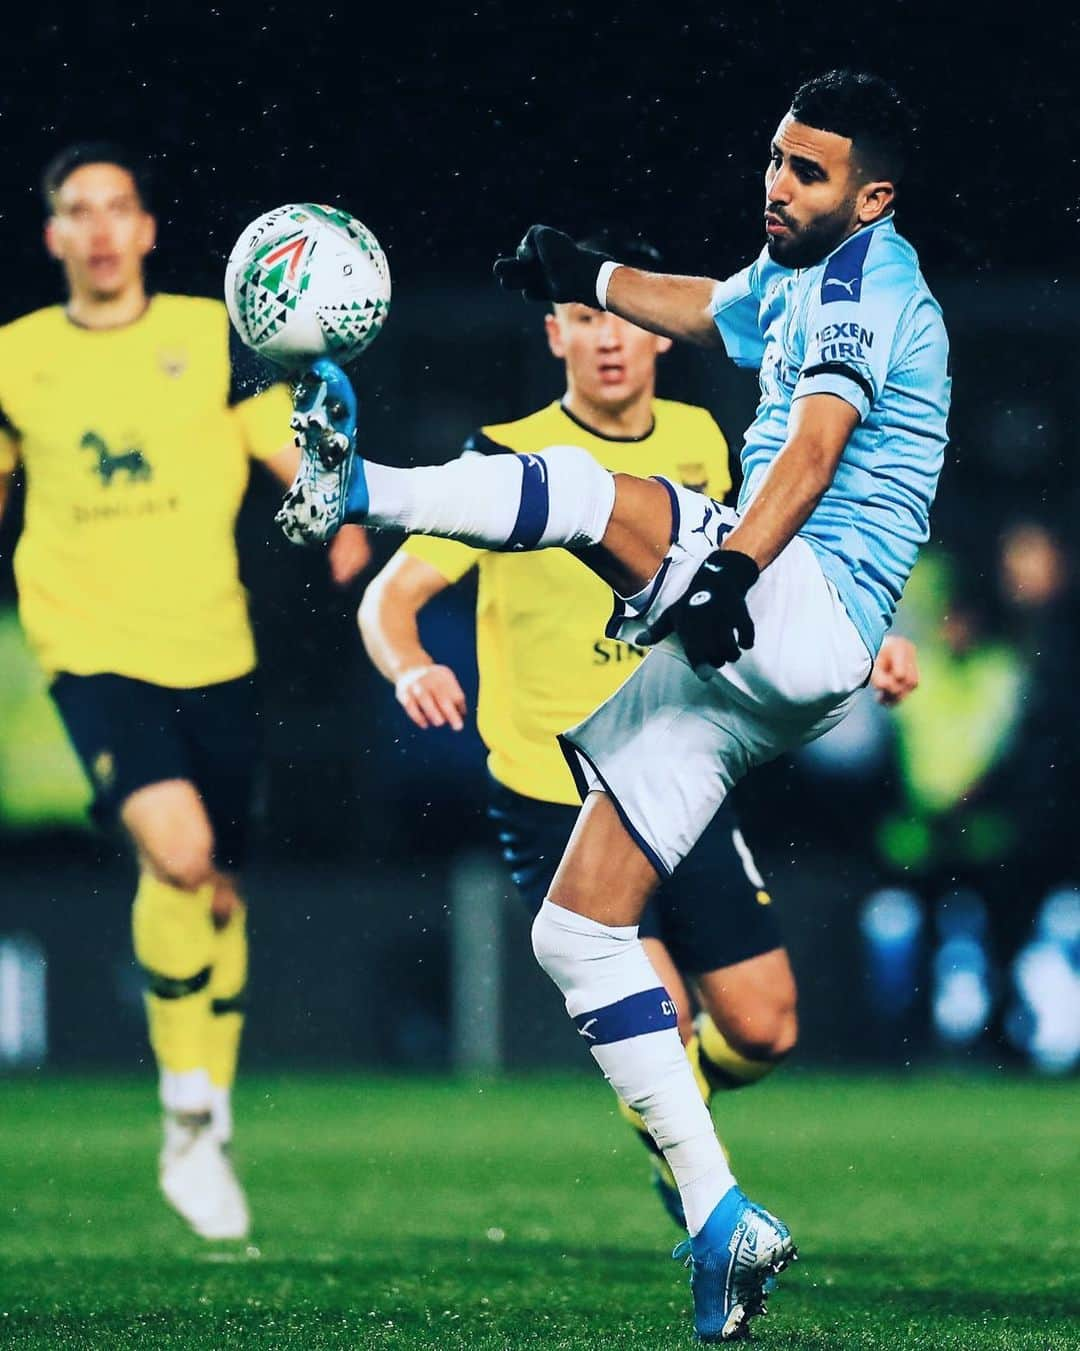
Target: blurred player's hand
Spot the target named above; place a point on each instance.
(432, 697)
(711, 619)
(349, 554)
(548, 265)
(896, 671)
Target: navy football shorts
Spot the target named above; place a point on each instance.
(130, 733)
(712, 912)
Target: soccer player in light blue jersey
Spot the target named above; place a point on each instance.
(765, 620)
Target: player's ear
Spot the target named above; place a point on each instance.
(553, 329)
(147, 232)
(663, 345)
(50, 238)
(874, 200)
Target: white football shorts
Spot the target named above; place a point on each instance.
(668, 747)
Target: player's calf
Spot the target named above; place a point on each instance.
(558, 497)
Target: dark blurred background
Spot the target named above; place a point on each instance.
(924, 862)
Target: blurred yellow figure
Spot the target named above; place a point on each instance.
(136, 441)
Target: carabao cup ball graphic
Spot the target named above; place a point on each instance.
(306, 281)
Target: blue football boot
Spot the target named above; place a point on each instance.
(732, 1262)
(330, 485)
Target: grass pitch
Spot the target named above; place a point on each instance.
(436, 1213)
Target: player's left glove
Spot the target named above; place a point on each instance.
(548, 265)
(711, 618)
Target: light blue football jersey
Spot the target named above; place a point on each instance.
(862, 325)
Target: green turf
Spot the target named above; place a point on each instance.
(431, 1213)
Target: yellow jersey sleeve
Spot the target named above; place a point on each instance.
(449, 557)
(264, 421)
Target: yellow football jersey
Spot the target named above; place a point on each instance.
(135, 468)
(543, 658)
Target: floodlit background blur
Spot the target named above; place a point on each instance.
(924, 861)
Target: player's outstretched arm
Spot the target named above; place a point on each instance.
(712, 620)
(549, 265)
(429, 693)
(818, 431)
(896, 670)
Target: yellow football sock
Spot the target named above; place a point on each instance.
(174, 936)
(227, 984)
(721, 1064)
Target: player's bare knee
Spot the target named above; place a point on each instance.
(545, 938)
(767, 1033)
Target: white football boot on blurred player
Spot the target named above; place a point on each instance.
(197, 1178)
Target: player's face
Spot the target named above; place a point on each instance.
(812, 194)
(100, 231)
(610, 363)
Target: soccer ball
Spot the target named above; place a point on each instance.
(306, 281)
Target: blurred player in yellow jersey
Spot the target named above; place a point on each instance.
(135, 444)
(545, 662)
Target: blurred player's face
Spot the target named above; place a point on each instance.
(100, 231)
(815, 195)
(1034, 569)
(610, 364)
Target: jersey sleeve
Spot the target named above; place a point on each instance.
(852, 323)
(264, 421)
(449, 557)
(9, 445)
(735, 309)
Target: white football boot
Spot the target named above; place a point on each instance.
(197, 1178)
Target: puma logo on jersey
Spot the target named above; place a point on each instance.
(849, 286)
(700, 529)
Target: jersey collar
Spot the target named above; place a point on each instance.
(885, 221)
(603, 436)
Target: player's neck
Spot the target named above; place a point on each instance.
(91, 311)
(629, 423)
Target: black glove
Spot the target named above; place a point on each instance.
(711, 619)
(548, 265)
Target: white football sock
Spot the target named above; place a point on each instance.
(629, 1023)
(559, 496)
(185, 1091)
(221, 1120)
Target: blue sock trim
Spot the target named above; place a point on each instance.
(635, 1016)
(532, 517)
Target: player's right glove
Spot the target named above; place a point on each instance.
(548, 265)
(711, 618)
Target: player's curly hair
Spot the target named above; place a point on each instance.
(60, 168)
(866, 109)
